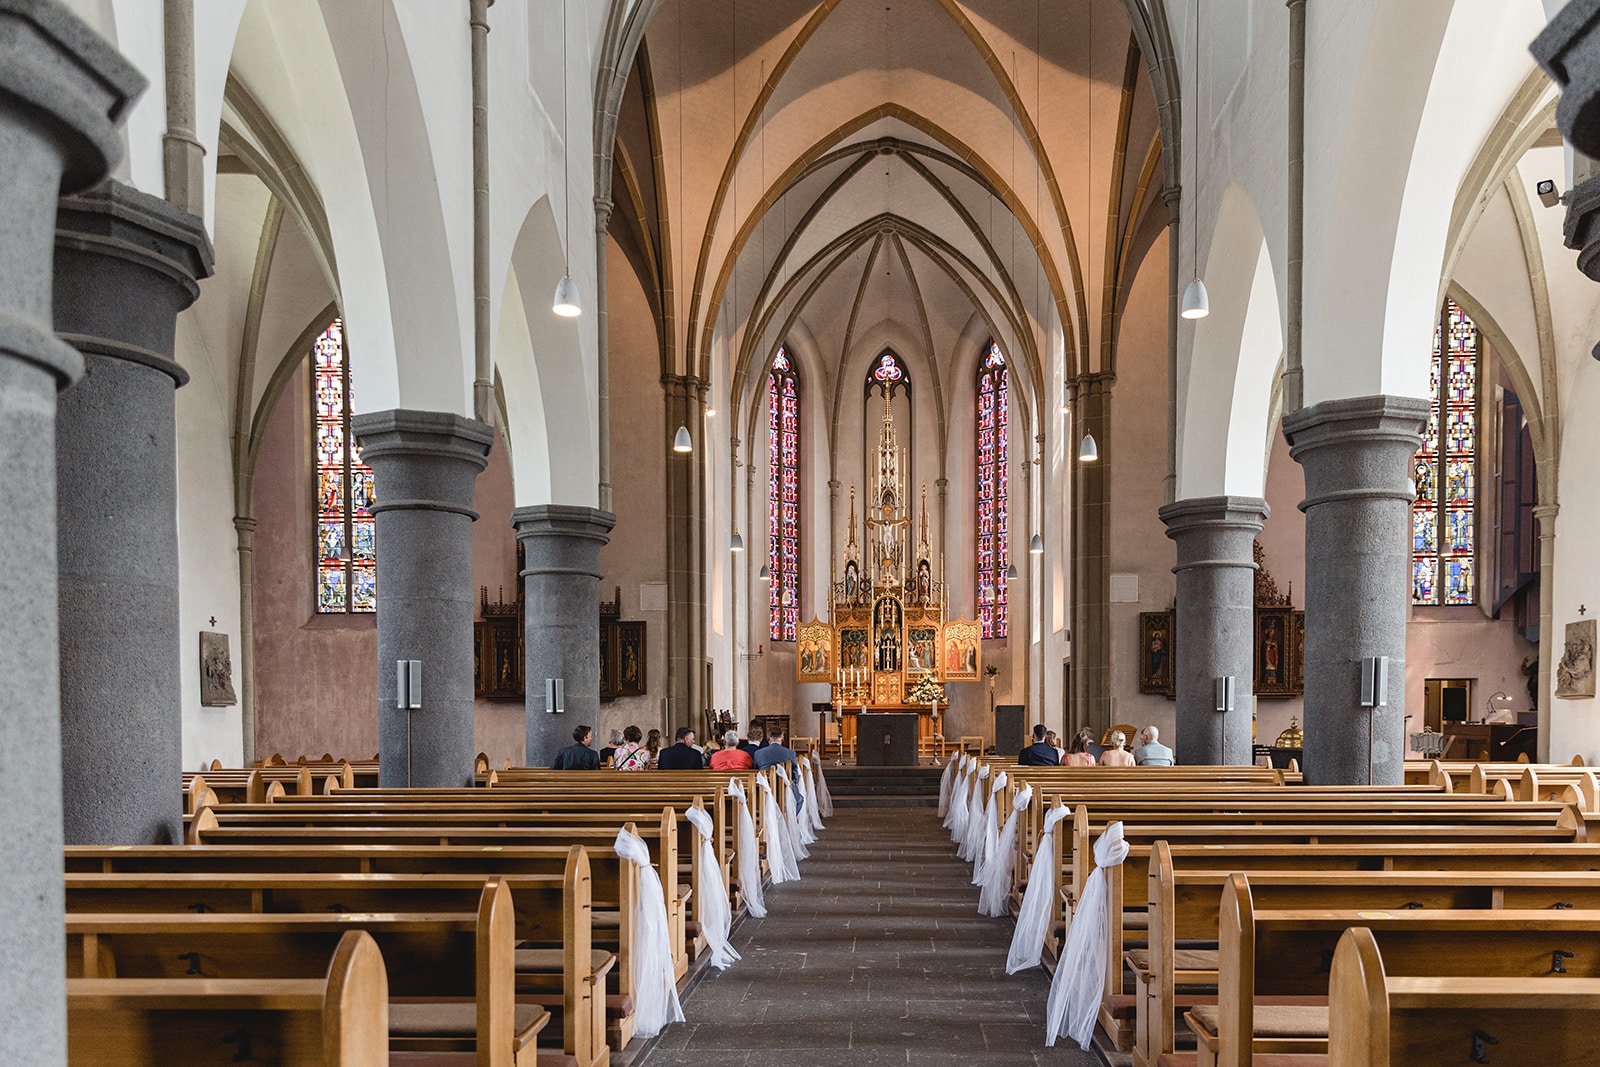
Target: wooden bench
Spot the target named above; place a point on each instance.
(338, 1020)
(1184, 905)
(452, 983)
(556, 965)
(1376, 1019)
(1288, 953)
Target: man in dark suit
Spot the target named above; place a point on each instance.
(1038, 754)
(755, 741)
(682, 755)
(578, 756)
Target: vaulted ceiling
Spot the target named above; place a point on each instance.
(855, 169)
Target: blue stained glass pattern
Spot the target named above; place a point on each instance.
(992, 494)
(346, 543)
(783, 460)
(888, 368)
(1449, 449)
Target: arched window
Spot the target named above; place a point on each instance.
(1444, 517)
(888, 375)
(783, 455)
(993, 412)
(346, 537)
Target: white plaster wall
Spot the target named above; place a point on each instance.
(1575, 723)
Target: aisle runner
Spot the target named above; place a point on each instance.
(876, 957)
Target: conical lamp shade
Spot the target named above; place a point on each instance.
(1088, 451)
(766, 573)
(737, 544)
(682, 442)
(1196, 301)
(1036, 546)
(1011, 572)
(567, 302)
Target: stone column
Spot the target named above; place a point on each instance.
(126, 264)
(424, 465)
(685, 530)
(1357, 459)
(62, 92)
(561, 584)
(1216, 620)
(1091, 587)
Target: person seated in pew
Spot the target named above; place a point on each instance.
(632, 756)
(681, 755)
(775, 754)
(1054, 742)
(611, 749)
(652, 742)
(757, 739)
(732, 756)
(1117, 755)
(1079, 755)
(1151, 752)
(1040, 753)
(578, 756)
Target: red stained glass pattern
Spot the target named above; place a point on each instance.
(888, 369)
(1444, 518)
(783, 458)
(993, 496)
(346, 534)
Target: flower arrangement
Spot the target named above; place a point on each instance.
(926, 691)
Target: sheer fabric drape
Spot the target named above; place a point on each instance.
(824, 798)
(997, 873)
(1075, 993)
(655, 987)
(775, 828)
(749, 854)
(945, 780)
(972, 830)
(716, 913)
(1038, 900)
(989, 833)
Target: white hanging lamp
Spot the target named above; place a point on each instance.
(737, 544)
(567, 303)
(682, 442)
(766, 573)
(1011, 572)
(1196, 301)
(1036, 545)
(1088, 450)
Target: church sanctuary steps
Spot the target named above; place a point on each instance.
(451, 977)
(1376, 1019)
(340, 1019)
(1185, 895)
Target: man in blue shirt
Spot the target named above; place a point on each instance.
(775, 754)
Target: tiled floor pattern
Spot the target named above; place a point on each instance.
(877, 956)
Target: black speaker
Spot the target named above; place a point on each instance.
(1453, 703)
(1011, 733)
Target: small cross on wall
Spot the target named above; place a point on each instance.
(213, 620)
(1583, 609)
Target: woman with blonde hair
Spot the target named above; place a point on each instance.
(1116, 753)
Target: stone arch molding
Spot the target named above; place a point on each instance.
(1227, 379)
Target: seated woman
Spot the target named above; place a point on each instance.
(1117, 754)
(632, 755)
(1079, 755)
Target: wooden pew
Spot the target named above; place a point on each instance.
(1287, 953)
(1184, 903)
(1376, 1019)
(338, 1020)
(452, 983)
(613, 885)
(551, 911)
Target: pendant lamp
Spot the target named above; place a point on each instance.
(1088, 451)
(682, 442)
(1036, 545)
(1196, 301)
(567, 303)
(737, 544)
(1011, 572)
(766, 573)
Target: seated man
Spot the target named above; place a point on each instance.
(731, 756)
(757, 740)
(1041, 753)
(1151, 752)
(682, 755)
(578, 756)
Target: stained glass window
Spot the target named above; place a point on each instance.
(992, 492)
(1444, 517)
(888, 375)
(783, 457)
(346, 535)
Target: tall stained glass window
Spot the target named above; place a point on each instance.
(992, 492)
(1444, 517)
(346, 534)
(783, 456)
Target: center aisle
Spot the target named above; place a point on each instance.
(877, 956)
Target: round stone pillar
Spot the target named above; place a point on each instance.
(126, 264)
(561, 587)
(1356, 454)
(424, 465)
(62, 92)
(1215, 627)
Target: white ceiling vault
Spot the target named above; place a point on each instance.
(859, 170)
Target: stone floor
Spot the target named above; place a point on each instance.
(877, 956)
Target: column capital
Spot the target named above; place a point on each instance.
(1357, 448)
(562, 538)
(126, 264)
(55, 63)
(425, 460)
(1215, 513)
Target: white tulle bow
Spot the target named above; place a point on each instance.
(1076, 991)
(655, 987)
